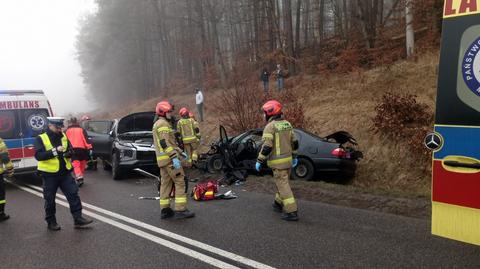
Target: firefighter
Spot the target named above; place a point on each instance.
(53, 153)
(279, 153)
(5, 166)
(190, 133)
(82, 149)
(168, 159)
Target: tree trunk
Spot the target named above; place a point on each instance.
(410, 39)
(321, 19)
(297, 29)
(306, 20)
(289, 33)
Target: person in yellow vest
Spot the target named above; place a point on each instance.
(6, 166)
(190, 132)
(53, 153)
(168, 159)
(279, 153)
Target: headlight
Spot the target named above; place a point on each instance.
(126, 154)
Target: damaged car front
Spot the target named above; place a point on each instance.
(130, 145)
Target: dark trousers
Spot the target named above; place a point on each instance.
(51, 183)
(2, 195)
(200, 111)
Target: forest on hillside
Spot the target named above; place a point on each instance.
(133, 50)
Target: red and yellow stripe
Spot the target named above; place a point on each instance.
(456, 8)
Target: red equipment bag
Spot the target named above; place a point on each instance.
(205, 191)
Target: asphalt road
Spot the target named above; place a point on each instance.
(240, 233)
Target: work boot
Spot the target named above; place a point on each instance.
(167, 213)
(277, 207)
(53, 226)
(4, 217)
(80, 182)
(184, 214)
(293, 216)
(81, 222)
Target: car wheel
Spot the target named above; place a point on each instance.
(215, 164)
(304, 170)
(117, 172)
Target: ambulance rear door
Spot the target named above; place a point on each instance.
(456, 158)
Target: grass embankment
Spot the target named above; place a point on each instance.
(347, 102)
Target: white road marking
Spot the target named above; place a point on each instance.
(178, 248)
(183, 239)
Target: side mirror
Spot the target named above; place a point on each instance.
(110, 133)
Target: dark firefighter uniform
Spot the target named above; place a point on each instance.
(190, 132)
(53, 152)
(171, 171)
(278, 151)
(5, 166)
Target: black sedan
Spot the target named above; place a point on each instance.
(334, 156)
(124, 144)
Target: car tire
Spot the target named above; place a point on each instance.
(304, 170)
(215, 164)
(117, 172)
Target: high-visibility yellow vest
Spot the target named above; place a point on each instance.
(53, 165)
(280, 132)
(187, 131)
(160, 128)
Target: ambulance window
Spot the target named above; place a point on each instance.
(8, 125)
(33, 121)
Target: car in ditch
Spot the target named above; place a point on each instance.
(332, 157)
(124, 144)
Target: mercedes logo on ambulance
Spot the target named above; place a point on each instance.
(433, 141)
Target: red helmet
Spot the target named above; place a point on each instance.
(163, 108)
(272, 108)
(184, 112)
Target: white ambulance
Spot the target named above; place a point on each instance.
(23, 116)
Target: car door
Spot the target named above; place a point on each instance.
(225, 150)
(100, 134)
(456, 140)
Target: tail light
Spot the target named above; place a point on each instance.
(339, 153)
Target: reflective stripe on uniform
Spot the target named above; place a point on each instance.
(278, 199)
(181, 200)
(280, 161)
(266, 135)
(277, 144)
(289, 201)
(163, 157)
(189, 139)
(169, 149)
(165, 129)
(2, 202)
(164, 202)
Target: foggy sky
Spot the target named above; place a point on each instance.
(37, 50)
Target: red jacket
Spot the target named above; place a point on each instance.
(78, 137)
